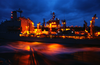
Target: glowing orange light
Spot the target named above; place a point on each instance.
(67, 29)
(27, 48)
(20, 35)
(82, 33)
(45, 32)
(31, 35)
(38, 36)
(86, 31)
(98, 33)
(27, 25)
(64, 23)
(90, 21)
(37, 26)
(62, 29)
(76, 32)
(54, 47)
(36, 43)
(53, 33)
(64, 36)
(54, 22)
(26, 35)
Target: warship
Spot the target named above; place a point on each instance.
(23, 29)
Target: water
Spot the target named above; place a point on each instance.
(39, 53)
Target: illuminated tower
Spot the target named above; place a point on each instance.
(38, 25)
(53, 25)
(92, 22)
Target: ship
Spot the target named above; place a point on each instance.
(23, 29)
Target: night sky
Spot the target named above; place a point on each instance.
(73, 11)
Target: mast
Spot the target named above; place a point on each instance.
(20, 11)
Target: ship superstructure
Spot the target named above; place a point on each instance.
(24, 27)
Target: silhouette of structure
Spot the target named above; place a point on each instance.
(24, 27)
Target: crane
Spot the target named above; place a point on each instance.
(92, 22)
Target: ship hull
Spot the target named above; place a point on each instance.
(16, 37)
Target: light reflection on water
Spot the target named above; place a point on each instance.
(21, 59)
(49, 49)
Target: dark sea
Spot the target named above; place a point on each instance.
(41, 53)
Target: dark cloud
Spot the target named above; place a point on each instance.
(87, 6)
(64, 6)
(74, 11)
(77, 11)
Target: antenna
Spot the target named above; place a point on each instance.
(20, 11)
